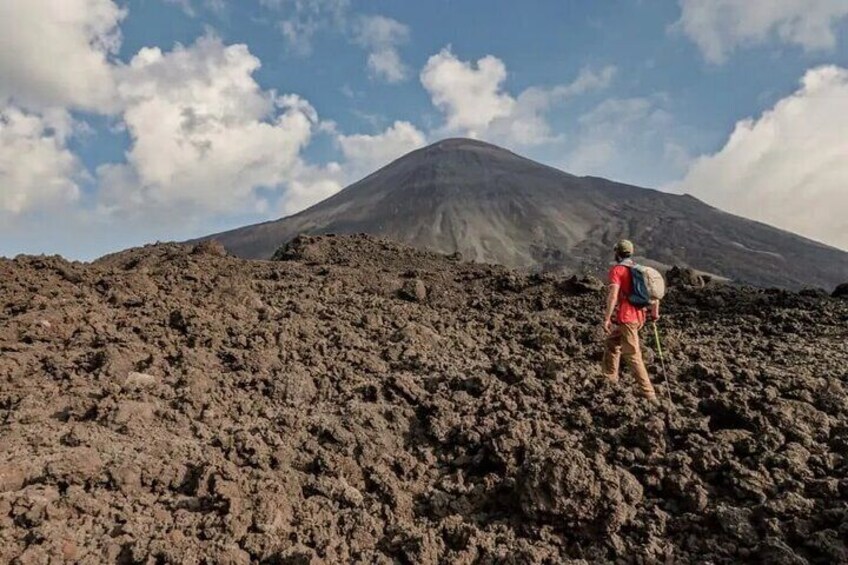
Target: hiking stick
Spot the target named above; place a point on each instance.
(662, 363)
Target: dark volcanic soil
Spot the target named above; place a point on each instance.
(361, 402)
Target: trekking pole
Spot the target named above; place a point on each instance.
(662, 363)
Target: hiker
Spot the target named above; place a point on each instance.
(622, 322)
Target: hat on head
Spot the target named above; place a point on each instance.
(624, 247)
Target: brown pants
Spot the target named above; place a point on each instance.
(624, 341)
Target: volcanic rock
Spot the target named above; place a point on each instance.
(301, 411)
(585, 284)
(210, 247)
(685, 277)
(581, 494)
(414, 290)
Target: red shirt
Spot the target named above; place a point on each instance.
(627, 313)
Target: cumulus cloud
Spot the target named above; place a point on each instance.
(472, 97)
(527, 124)
(55, 53)
(370, 152)
(720, 26)
(206, 141)
(362, 154)
(36, 168)
(312, 184)
(204, 135)
(382, 36)
(788, 167)
(469, 94)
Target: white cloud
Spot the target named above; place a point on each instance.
(382, 36)
(308, 17)
(718, 27)
(379, 35)
(204, 135)
(474, 102)
(527, 124)
(788, 167)
(587, 80)
(311, 185)
(387, 64)
(55, 53)
(206, 141)
(36, 168)
(299, 33)
(363, 154)
(369, 152)
(609, 127)
(470, 95)
(633, 140)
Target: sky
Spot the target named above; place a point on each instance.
(130, 122)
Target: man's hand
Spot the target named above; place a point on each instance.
(607, 326)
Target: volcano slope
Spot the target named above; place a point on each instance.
(358, 401)
(493, 206)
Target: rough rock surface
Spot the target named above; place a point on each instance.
(166, 406)
(684, 276)
(583, 284)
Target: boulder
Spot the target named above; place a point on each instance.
(585, 284)
(841, 291)
(210, 247)
(810, 292)
(584, 495)
(685, 277)
(414, 290)
(134, 381)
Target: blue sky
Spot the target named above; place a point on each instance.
(167, 119)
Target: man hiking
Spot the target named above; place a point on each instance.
(622, 322)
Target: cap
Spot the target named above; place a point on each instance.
(625, 246)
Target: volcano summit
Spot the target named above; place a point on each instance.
(493, 206)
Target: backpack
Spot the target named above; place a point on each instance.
(648, 285)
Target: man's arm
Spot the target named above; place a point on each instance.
(612, 302)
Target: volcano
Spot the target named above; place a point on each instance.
(493, 206)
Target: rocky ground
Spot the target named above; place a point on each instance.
(356, 401)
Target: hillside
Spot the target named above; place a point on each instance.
(364, 402)
(493, 206)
